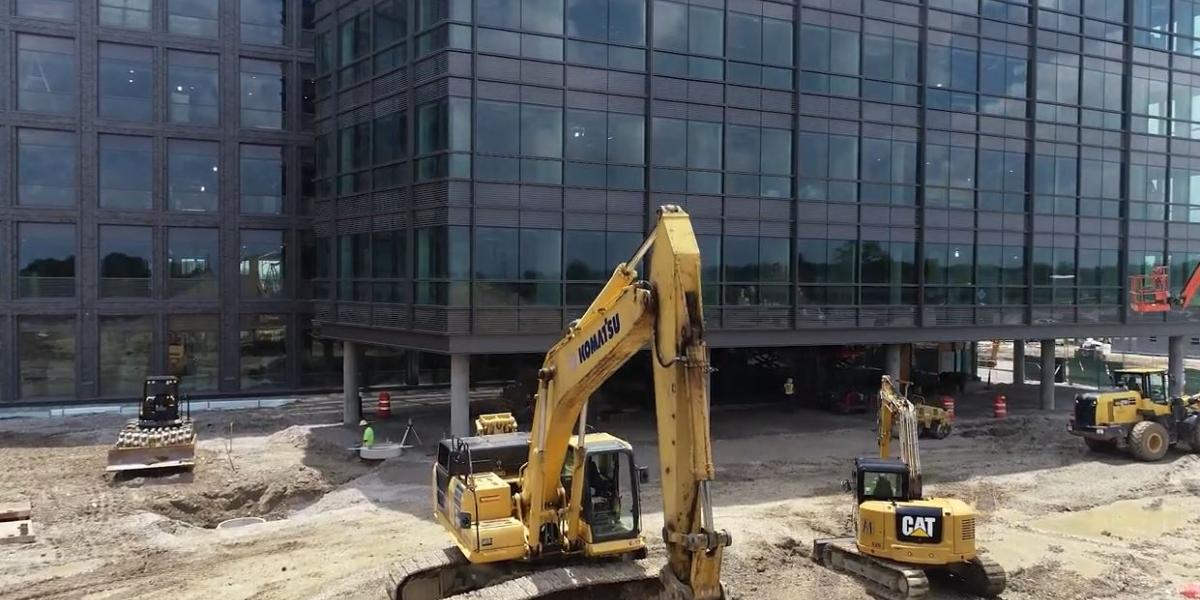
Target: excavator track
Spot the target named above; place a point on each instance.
(981, 577)
(447, 575)
(883, 578)
(892, 580)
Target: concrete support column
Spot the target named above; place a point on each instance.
(892, 361)
(1018, 368)
(414, 367)
(946, 358)
(1047, 389)
(460, 394)
(1175, 365)
(352, 405)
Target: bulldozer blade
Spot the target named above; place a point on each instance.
(158, 457)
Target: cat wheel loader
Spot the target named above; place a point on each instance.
(555, 512)
(901, 536)
(1139, 416)
(932, 421)
(1136, 416)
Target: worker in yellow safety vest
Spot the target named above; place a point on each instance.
(789, 391)
(368, 439)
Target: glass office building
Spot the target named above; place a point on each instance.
(182, 188)
(858, 171)
(153, 160)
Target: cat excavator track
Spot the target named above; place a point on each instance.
(447, 574)
(898, 581)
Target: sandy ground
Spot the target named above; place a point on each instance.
(1063, 522)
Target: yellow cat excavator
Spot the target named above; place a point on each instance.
(900, 534)
(551, 512)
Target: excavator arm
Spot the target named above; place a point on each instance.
(897, 410)
(664, 312)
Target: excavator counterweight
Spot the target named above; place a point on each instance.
(557, 510)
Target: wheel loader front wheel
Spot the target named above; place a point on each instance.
(942, 430)
(1149, 441)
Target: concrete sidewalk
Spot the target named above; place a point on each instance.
(400, 400)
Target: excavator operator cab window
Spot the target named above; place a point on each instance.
(882, 486)
(611, 495)
(882, 482)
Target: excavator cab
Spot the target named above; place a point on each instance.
(878, 479)
(611, 488)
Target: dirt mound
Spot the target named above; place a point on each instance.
(246, 499)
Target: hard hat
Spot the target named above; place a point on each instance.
(362, 423)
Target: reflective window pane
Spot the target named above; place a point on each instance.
(61, 10)
(193, 17)
(193, 177)
(125, 353)
(262, 263)
(193, 350)
(46, 74)
(263, 176)
(498, 127)
(125, 14)
(390, 137)
(263, 351)
(45, 260)
(126, 172)
(125, 261)
(541, 131)
(46, 356)
(263, 21)
(192, 90)
(125, 82)
(192, 262)
(622, 21)
(262, 100)
(46, 169)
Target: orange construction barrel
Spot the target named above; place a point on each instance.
(948, 406)
(384, 410)
(1000, 407)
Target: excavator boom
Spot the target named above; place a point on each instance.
(894, 410)
(553, 489)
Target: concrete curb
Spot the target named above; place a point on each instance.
(56, 411)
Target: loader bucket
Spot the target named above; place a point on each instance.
(180, 456)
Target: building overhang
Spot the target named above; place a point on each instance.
(525, 343)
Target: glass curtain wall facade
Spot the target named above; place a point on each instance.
(151, 155)
(867, 165)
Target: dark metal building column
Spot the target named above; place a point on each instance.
(351, 408)
(460, 394)
(1018, 362)
(1175, 365)
(1047, 389)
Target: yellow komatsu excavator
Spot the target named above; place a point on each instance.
(900, 535)
(546, 513)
